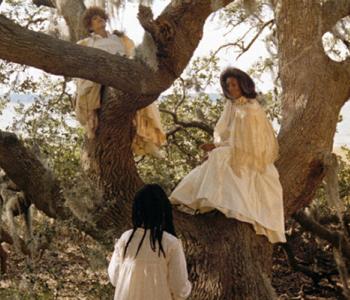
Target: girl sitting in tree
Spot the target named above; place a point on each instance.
(239, 177)
(149, 133)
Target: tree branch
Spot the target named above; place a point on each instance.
(178, 31)
(297, 267)
(333, 11)
(48, 3)
(28, 173)
(59, 57)
(195, 124)
(252, 41)
(336, 239)
(71, 11)
(38, 183)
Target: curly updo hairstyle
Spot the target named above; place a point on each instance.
(245, 82)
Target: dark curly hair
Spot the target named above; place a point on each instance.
(90, 13)
(245, 82)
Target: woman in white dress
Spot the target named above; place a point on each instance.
(239, 177)
(148, 262)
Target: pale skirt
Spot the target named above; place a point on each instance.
(253, 197)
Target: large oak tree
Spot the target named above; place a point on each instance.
(226, 259)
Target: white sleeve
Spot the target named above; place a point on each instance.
(179, 284)
(115, 263)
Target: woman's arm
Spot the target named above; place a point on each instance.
(207, 147)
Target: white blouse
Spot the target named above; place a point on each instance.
(149, 276)
(112, 43)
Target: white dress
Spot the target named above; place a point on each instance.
(149, 276)
(239, 177)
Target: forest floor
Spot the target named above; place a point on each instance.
(74, 267)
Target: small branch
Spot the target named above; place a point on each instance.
(241, 46)
(246, 48)
(183, 98)
(193, 124)
(173, 131)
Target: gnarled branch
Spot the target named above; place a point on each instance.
(63, 58)
(28, 173)
(188, 124)
(336, 239)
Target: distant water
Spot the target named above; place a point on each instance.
(342, 137)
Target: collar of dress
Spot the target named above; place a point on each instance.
(96, 36)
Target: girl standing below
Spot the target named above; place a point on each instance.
(148, 262)
(239, 177)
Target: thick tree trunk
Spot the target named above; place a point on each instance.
(314, 90)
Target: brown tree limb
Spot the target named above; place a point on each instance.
(48, 3)
(187, 124)
(72, 11)
(43, 52)
(333, 11)
(59, 57)
(28, 173)
(336, 239)
(297, 267)
(178, 31)
(39, 185)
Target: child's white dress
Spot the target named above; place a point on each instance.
(239, 177)
(149, 276)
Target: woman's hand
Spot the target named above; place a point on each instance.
(207, 147)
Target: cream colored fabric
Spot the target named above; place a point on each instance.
(149, 276)
(149, 132)
(88, 97)
(239, 177)
(253, 141)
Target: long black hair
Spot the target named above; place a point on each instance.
(152, 211)
(245, 82)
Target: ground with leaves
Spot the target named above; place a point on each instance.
(74, 267)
